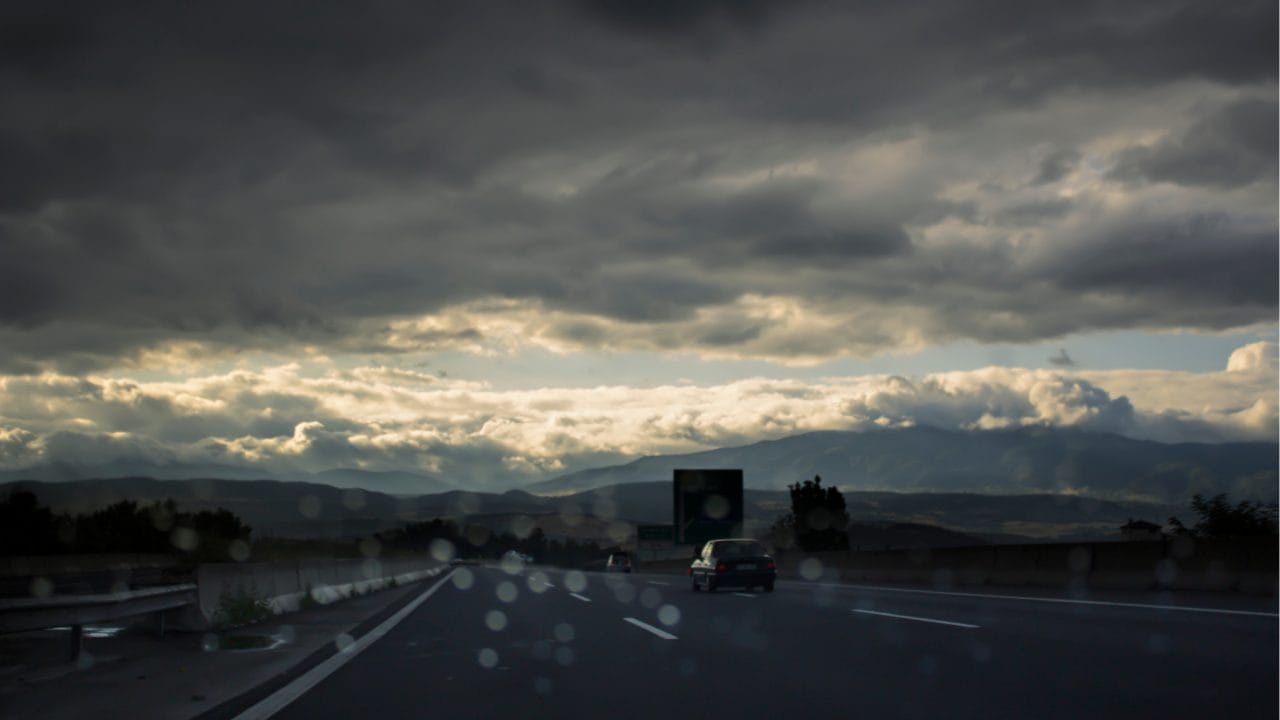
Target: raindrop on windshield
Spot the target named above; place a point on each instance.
(625, 592)
(575, 581)
(41, 587)
(541, 650)
(184, 539)
(511, 564)
(564, 655)
(495, 620)
(353, 499)
(442, 550)
(522, 526)
(650, 598)
(811, 569)
(309, 507)
(370, 547)
(507, 591)
(538, 582)
(619, 532)
(238, 550)
(344, 642)
(669, 615)
(463, 579)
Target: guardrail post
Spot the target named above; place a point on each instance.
(77, 641)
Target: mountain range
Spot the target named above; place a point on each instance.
(392, 482)
(1032, 482)
(1027, 460)
(311, 510)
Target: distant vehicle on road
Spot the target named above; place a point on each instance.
(518, 556)
(734, 562)
(618, 562)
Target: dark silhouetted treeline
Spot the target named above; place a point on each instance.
(477, 541)
(28, 528)
(1220, 519)
(818, 519)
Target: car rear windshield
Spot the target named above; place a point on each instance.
(739, 549)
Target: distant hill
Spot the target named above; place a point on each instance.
(303, 510)
(392, 482)
(1028, 460)
(886, 535)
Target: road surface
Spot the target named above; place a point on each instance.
(555, 644)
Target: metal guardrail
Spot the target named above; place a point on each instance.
(76, 611)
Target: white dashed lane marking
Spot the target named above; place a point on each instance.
(646, 626)
(917, 619)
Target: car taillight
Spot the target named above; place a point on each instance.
(691, 571)
(770, 566)
(721, 567)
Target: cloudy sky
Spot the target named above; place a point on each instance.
(505, 240)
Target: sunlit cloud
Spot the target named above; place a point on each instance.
(286, 419)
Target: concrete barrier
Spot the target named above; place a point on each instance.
(1177, 563)
(286, 586)
(1182, 563)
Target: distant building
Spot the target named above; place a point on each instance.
(1140, 530)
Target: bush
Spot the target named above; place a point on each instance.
(243, 608)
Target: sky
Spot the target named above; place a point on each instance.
(502, 241)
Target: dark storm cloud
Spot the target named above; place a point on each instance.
(678, 16)
(1200, 258)
(1056, 166)
(1233, 146)
(1034, 212)
(265, 176)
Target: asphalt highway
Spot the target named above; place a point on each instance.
(555, 644)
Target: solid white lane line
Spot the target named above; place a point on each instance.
(656, 582)
(1069, 601)
(744, 594)
(656, 631)
(920, 619)
(276, 701)
(583, 598)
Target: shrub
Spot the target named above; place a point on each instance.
(242, 608)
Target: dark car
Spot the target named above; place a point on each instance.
(738, 562)
(618, 562)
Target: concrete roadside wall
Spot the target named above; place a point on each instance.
(285, 585)
(1180, 563)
